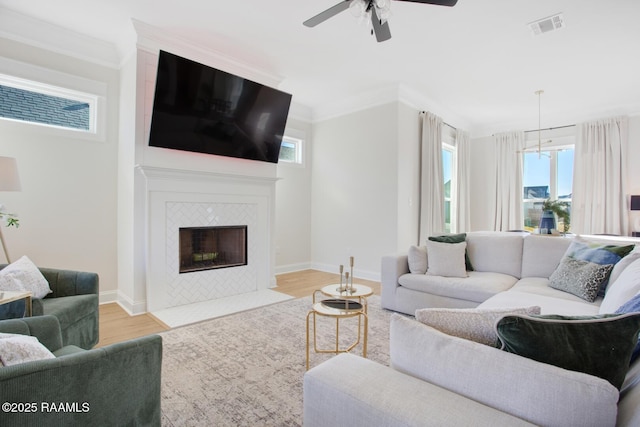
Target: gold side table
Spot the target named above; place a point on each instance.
(337, 311)
(9, 296)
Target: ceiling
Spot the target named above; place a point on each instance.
(477, 64)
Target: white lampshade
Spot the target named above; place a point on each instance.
(9, 178)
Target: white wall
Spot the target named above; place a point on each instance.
(293, 205)
(408, 177)
(354, 190)
(67, 206)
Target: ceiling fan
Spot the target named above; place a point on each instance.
(375, 8)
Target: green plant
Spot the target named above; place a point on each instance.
(12, 219)
(561, 209)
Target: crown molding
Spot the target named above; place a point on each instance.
(34, 32)
(384, 95)
(152, 39)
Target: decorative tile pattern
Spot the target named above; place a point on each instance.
(205, 285)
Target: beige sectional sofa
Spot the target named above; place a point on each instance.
(439, 379)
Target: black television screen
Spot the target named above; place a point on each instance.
(199, 108)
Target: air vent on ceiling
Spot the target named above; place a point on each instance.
(545, 25)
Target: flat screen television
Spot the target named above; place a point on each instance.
(201, 109)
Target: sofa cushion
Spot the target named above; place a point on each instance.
(475, 324)
(23, 275)
(417, 259)
(446, 259)
(623, 289)
(541, 254)
(455, 238)
(629, 402)
(537, 392)
(596, 345)
(348, 390)
(580, 278)
(498, 252)
(548, 304)
(477, 287)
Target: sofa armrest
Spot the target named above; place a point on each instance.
(66, 283)
(348, 390)
(393, 266)
(45, 328)
(539, 393)
(119, 383)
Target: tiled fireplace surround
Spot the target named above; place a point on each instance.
(177, 198)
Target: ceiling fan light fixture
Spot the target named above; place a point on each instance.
(361, 9)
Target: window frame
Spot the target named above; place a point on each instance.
(55, 83)
(453, 189)
(297, 139)
(552, 150)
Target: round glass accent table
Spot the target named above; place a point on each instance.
(341, 305)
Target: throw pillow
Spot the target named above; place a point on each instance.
(632, 306)
(580, 278)
(417, 259)
(446, 259)
(622, 265)
(23, 275)
(598, 253)
(474, 324)
(15, 348)
(455, 238)
(623, 289)
(597, 345)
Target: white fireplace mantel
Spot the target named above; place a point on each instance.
(176, 198)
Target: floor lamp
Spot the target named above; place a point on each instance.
(9, 181)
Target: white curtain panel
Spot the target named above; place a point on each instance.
(463, 218)
(599, 204)
(431, 185)
(508, 209)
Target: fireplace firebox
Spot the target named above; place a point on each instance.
(206, 248)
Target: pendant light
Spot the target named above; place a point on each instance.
(539, 92)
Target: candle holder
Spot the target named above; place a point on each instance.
(346, 282)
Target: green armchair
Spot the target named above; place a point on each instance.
(74, 301)
(116, 385)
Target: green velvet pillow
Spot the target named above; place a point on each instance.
(596, 345)
(455, 238)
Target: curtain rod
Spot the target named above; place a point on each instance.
(444, 123)
(553, 128)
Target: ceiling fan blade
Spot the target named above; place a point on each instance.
(382, 31)
(436, 2)
(329, 13)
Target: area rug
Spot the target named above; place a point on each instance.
(246, 369)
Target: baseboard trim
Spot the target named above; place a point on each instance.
(364, 274)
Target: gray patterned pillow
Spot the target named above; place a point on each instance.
(474, 324)
(580, 278)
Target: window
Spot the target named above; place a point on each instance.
(547, 175)
(291, 150)
(47, 105)
(449, 162)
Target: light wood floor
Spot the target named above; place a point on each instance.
(116, 325)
